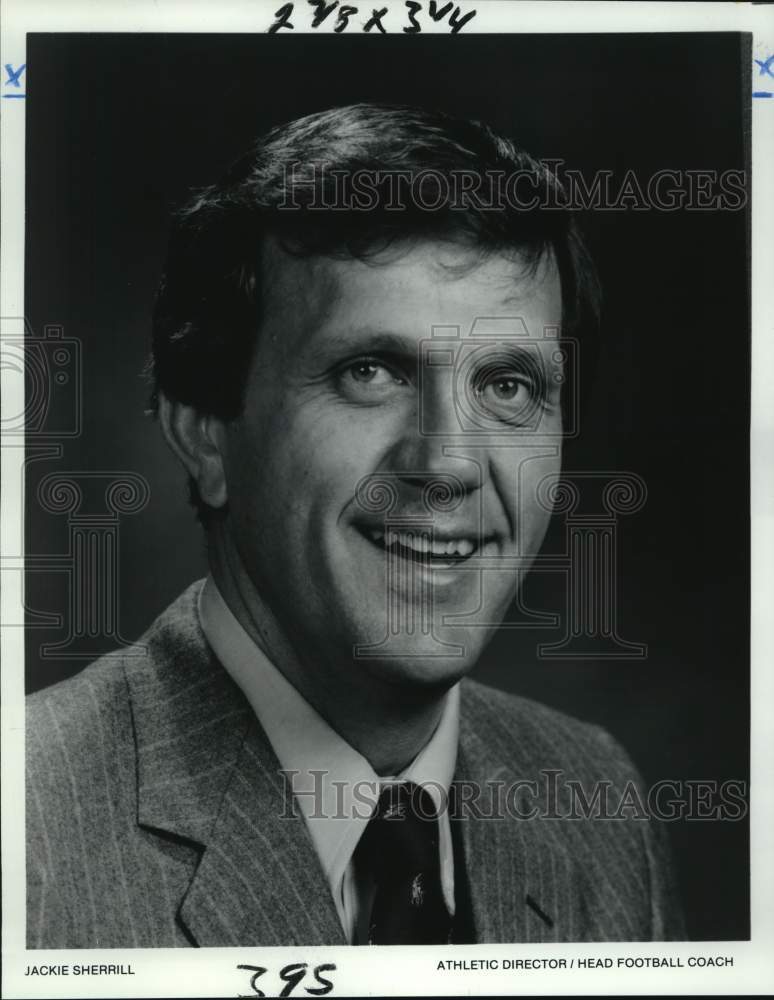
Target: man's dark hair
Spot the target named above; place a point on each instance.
(348, 182)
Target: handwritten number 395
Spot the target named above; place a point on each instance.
(291, 975)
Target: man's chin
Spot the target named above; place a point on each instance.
(420, 660)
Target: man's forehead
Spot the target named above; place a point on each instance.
(315, 294)
(306, 286)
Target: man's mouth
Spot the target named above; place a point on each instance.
(423, 547)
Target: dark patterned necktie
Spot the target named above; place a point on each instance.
(399, 851)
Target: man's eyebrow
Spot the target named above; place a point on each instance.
(369, 339)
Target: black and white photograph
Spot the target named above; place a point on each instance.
(377, 518)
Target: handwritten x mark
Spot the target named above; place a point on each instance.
(765, 66)
(13, 75)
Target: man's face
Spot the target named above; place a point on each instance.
(382, 479)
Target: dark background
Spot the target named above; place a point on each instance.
(119, 127)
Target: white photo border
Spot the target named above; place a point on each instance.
(400, 971)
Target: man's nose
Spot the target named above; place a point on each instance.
(433, 445)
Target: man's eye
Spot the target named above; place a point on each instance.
(506, 389)
(505, 394)
(369, 380)
(371, 372)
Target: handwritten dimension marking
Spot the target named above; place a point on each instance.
(345, 15)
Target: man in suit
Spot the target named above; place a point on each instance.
(358, 361)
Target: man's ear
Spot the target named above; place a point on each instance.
(199, 442)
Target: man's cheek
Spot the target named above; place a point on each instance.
(535, 507)
(519, 480)
(339, 463)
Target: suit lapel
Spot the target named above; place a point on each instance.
(522, 882)
(207, 773)
(260, 882)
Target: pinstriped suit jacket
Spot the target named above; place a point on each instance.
(154, 817)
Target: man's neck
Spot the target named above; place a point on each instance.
(388, 723)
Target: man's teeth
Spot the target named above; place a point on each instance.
(422, 543)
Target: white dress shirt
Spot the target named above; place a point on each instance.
(335, 787)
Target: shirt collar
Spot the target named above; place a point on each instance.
(334, 785)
